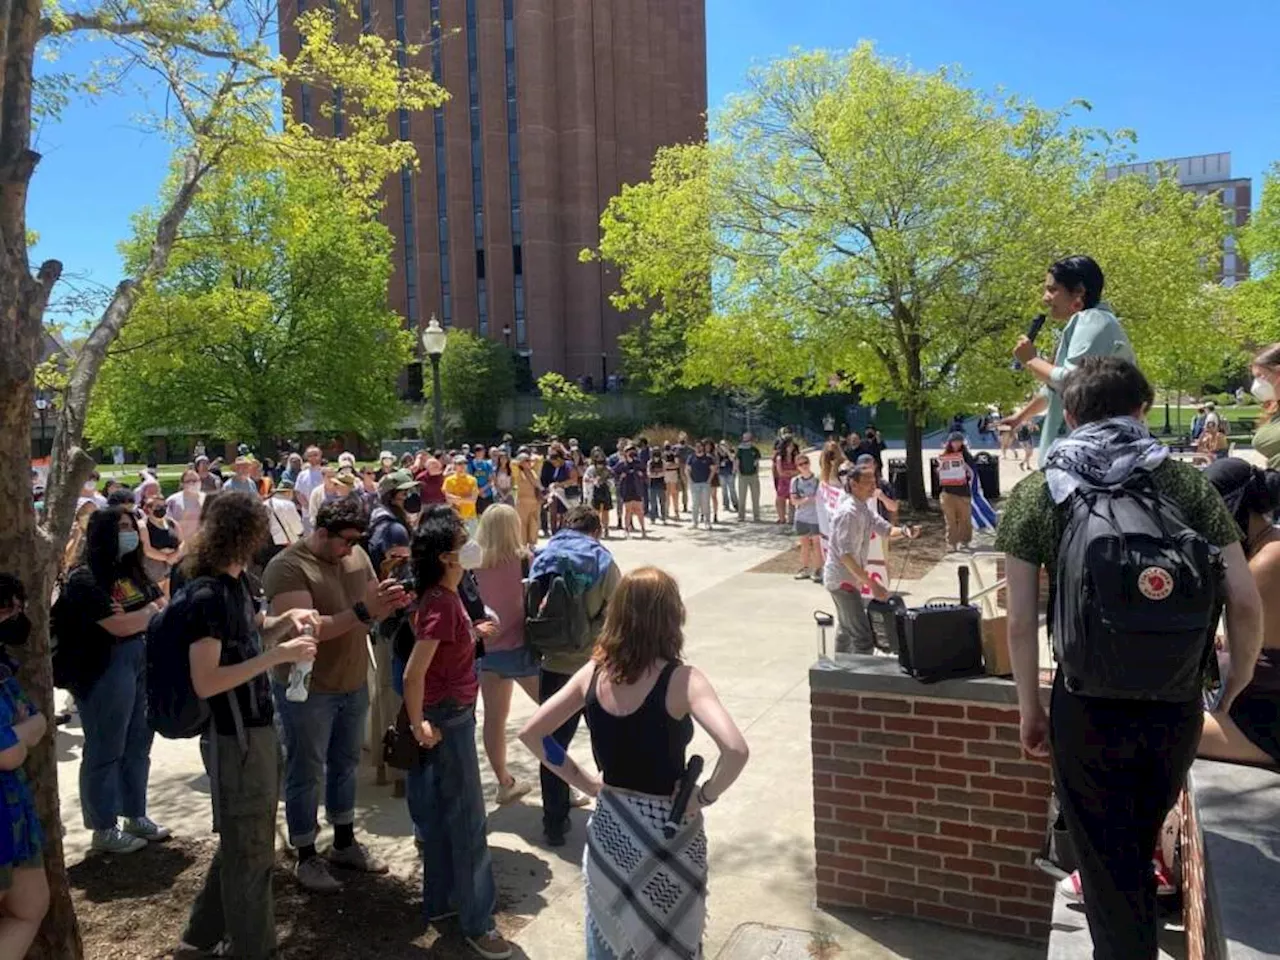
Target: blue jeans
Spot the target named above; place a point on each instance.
(700, 496)
(116, 759)
(322, 736)
(446, 803)
(729, 491)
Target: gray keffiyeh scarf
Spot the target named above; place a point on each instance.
(1101, 454)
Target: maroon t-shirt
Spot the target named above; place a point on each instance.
(432, 487)
(452, 674)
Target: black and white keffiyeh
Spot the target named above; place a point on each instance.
(1101, 454)
(646, 894)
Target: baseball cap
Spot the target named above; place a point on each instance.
(459, 459)
(386, 455)
(397, 480)
(523, 456)
(346, 479)
(346, 459)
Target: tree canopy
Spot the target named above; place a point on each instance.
(858, 219)
(271, 312)
(1257, 301)
(477, 376)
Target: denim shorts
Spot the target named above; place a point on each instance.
(804, 529)
(510, 664)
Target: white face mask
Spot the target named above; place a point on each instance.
(470, 555)
(1263, 390)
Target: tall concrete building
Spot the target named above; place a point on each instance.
(554, 105)
(1206, 174)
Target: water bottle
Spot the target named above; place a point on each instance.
(300, 677)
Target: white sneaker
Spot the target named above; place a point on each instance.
(116, 841)
(146, 829)
(313, 874)
(577, 798)
(490, 946)
(514, 790)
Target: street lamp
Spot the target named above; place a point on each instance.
(604, 372)
(433, 343)
(42, 405)
(506, 335)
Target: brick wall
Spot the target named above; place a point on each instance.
(1194, 894)
(928, 808)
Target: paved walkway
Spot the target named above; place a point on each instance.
(753, 635)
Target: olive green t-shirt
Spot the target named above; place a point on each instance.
(1267, 442)
(342, 663)
(1031, 526)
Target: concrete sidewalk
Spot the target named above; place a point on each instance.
(754, 637)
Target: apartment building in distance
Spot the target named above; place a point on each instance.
(1206, 174)
(555, 104)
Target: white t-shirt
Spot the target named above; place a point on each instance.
(308, 480)
(186, 511)
(286, 522)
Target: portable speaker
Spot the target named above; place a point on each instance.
(942, 641)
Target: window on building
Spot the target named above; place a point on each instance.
(442, 192)
(479, 264)
(1229, 196)
(513, 164)
(410, 243)
(477, 153)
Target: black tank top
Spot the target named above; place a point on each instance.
(644, 750)
(162, 538)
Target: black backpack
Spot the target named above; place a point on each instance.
(1137, 596)
(173, 709)
(556, 618)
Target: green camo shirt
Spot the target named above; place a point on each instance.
(1031, 526)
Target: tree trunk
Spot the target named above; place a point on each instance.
(917, 493)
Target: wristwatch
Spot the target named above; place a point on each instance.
(362, 612)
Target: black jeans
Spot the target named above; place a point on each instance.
(1119, 765)
(555, 792)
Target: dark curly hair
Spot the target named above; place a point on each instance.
(346, 513)
(439, 530)
(233, 527)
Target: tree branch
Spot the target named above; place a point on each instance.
(172, 32)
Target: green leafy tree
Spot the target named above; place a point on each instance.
(1257, 300)
(856, 218)
(565, 402)
(221, 83)
(272, 310)
(477, 376)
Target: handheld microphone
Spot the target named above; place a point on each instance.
(1036, 323)
(690, 779)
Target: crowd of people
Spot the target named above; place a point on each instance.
(279, 578)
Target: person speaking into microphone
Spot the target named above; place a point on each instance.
(1072, 294)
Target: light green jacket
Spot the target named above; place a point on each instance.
(1090, 333)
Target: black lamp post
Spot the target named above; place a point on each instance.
(433, 344)
(43, 406)
(506, 334)
(604, 372)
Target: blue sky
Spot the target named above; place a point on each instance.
(1186, 80)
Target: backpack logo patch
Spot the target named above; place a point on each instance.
(1155, 583)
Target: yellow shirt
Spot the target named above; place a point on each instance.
(462, 485)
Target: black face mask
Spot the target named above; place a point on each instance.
(15, 630)
(413, 503)
(160, 511)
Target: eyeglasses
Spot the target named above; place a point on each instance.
(351, 541)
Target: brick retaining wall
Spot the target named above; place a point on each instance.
(924, 804)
